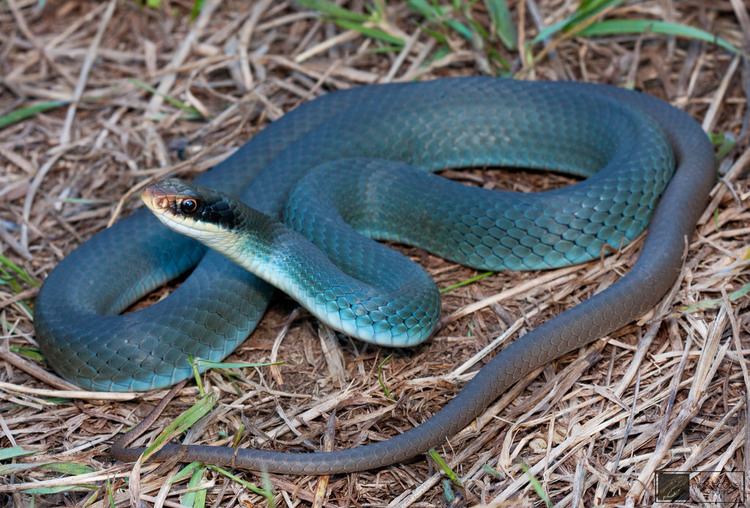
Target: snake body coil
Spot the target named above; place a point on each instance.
(361, 141)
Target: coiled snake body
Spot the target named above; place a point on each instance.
(359, 159)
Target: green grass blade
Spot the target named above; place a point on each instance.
(587, 4)
(68, 468)
(492, 471)
(461, 29)
(195, 497)
(466, 282)
(199, 365)
(208, 364)
(28, 352)
(13, 452)
(537, 486)
(373, 33)
(16, 468)
(20, 114)
(440, 15)
(502, 22)
(186, 472)
(191, 112)
(381, 378)
(334, 11)
(238, 435)
(444, 467)
(182, 423)
(640, 26)
(109, 487)
(440, 53)
(62, 488)
(713, 303)
(478, 29)
(196, 9)
(246, 484)
(197, 375)
(723, 143)
(585, 11)
(440, 39)
(426, 10)
(20, 272)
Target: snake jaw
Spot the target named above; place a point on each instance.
(170, 195)
(207, 217)
(174, 203)
(156, 203)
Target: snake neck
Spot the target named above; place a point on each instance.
(252, 241)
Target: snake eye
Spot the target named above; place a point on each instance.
(188, 206)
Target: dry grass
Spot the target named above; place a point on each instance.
(666, 392)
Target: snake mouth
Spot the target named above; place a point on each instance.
(156, 200)
(171, 195)
(177, 205)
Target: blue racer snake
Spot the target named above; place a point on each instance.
(373, 149)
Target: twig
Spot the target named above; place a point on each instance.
(35, 370)
(244, 41)
(179, 57)
(718, 99)
(88, 62)
(560, 275)
(274, 369)
(23, 295)
(69, 394)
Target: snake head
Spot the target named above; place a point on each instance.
(189, 208)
